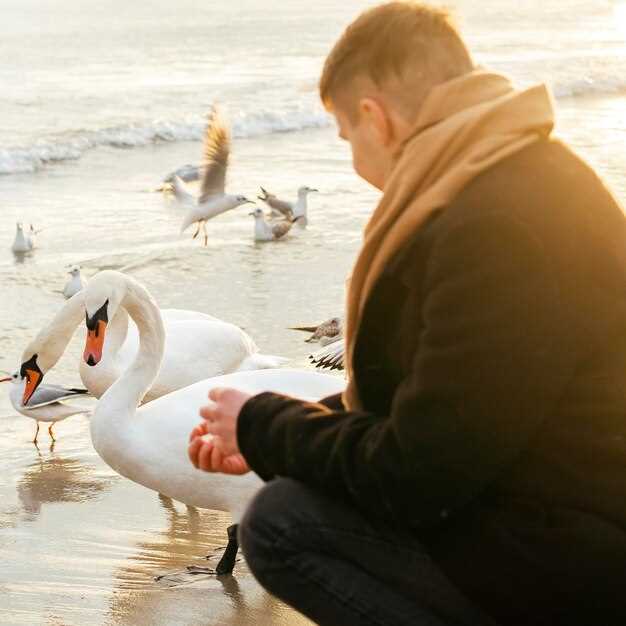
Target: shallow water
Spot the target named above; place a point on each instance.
(78, 544)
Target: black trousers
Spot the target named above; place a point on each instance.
(339, 569)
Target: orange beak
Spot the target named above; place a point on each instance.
(33, 378)
(94, 344)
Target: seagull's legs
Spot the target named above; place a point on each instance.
(50, 432)
(197, 231)
(206, 235)
(36, 433)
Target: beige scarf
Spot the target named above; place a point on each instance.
(464, 127)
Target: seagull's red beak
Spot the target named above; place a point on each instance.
(94, 343)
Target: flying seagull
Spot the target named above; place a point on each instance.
(213, 198)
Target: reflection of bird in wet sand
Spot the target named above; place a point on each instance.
(55, 479)
(290, 210)
(47, 403)
(213, 198)
(269, 232)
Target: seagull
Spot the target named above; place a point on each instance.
(269, 232)
(297, 209)
(74, 284)
(47, 404)
(187, 173)
(23, 242)
(213, 198)
(330, 356)
(324, 333)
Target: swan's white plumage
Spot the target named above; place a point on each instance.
(149, 444)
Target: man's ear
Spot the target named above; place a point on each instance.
(375, 115)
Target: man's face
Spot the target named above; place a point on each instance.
(369, 154)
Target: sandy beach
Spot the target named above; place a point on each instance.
(102, 116)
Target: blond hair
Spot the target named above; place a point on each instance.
(403, 48)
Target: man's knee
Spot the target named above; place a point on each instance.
(274, 511)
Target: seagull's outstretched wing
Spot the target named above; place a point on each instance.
(182, 193)
(216, 154)
(50, 394)
(330, 356)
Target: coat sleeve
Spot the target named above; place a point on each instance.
(492, 358)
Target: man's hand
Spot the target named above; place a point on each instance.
(219, 452)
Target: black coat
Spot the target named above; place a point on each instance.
(491, 362)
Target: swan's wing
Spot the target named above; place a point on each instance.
(330, 356)
(51, 394)
(281, 229)
(216, 154)
(182, 193)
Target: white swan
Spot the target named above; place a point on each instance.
(197, 346)
(148, 445)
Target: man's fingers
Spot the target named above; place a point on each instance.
(198, 431)
(216, 393)
(208, 411)
(193, 449)
(216, 456)
(204, 456)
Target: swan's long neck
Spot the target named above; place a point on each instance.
(51, 341)
(120, 401)
(116, 334)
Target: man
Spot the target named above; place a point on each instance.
(474, 472)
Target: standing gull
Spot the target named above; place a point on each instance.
(47, 404)
(23, 242)
(297, 209)
(74, 284)
(213, 198)
(269, 232)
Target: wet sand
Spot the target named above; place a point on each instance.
(82, 546)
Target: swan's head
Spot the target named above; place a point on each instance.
(32, 372)
(103, 296)
(304, 191)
